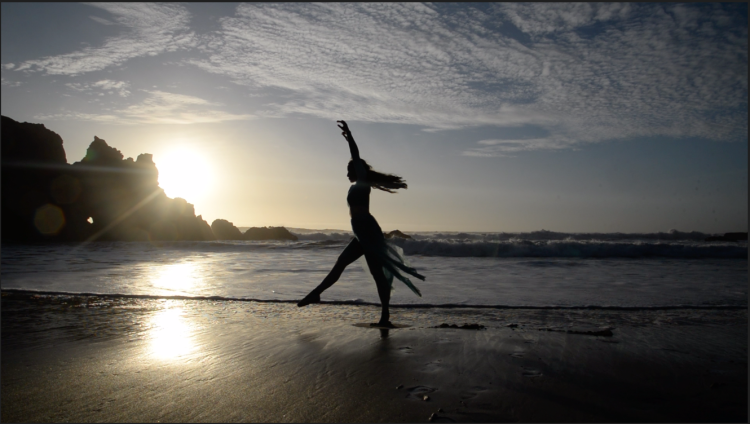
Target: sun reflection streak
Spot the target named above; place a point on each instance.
(176, 278)
(171, 335)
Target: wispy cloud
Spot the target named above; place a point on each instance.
(158, 107)
(582, 72)
(121, 87)
(6, 83)
(101, 20)
(500, 148)
(587, 72)
(109, 86)
(540, 19)
(151, 29)
(384, 63)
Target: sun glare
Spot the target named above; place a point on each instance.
(184, 173)
(176, 278)
(171, 335)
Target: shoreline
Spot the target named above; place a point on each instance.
(31, 293)
(213, 360)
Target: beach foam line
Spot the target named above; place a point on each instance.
(589, 249)
(363, 303)
(480, 248)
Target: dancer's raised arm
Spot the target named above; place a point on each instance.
(348, 136)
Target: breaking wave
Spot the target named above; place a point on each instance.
(537, 244)
(570, 249)
(485, 249)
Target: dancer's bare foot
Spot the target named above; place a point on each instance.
(386, 324)
(310, 298)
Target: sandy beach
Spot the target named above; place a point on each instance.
(110, 359)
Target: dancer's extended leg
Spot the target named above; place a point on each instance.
(384, 289)
(350, 254)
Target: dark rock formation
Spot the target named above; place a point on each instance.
(102, 197)
(269, 233)
(728, 237)
(37, 190)
(124, 200)
(396, 233)
(225, 230)
(31, 143)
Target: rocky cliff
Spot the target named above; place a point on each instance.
(102, 197)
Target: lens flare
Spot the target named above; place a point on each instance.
(49, 219)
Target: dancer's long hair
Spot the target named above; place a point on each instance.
(380, 181)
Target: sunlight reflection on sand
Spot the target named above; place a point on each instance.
(171, 334)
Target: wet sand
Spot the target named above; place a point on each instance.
(87, 359)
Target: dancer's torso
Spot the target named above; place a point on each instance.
(359, 193)
(359, 199)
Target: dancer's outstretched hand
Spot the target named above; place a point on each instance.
(345, 130)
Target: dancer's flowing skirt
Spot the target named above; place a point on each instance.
(371, 237)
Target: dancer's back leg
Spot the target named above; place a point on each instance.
(351, 253)
(384, 288)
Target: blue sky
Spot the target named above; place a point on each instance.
(501, 117)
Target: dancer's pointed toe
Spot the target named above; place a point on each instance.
(310, 298)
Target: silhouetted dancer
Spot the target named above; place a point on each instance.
(384, 261)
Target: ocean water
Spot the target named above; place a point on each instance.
(539, 270)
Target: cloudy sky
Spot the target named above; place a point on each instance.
(501, 117)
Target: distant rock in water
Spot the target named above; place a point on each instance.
(101, 197)
(396, 233)
(225, 230)
(728, 237)
(269, 233)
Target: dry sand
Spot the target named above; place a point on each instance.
(90, 359)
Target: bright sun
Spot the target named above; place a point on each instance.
(184, 173)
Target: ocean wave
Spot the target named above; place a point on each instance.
(551, 244)
(569, 249)
(470, 248)
(224, 246)
(325, 243)
(541, 235)
(545, 235)
(324, 236)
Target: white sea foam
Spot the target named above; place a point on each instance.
(460, 271)
(320, 236)
(542, 235)
(545, 235)
(436, 245)
(571, 249)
